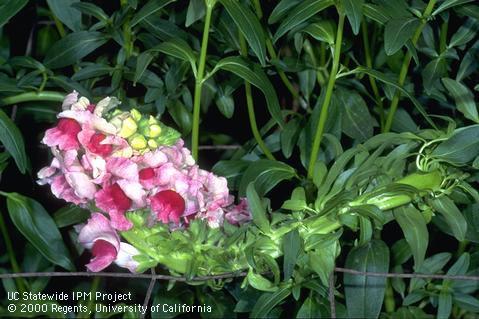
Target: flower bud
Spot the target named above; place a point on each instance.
(128, 127)
(138, 142)
(152, 144)
(152, 120)
(155, 130)
(135, 114)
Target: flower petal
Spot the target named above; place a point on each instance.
(125, 257)
(103, 253)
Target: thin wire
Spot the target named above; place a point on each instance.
(401, 275)
(121, 275)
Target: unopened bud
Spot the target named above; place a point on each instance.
(138, 142)
(135, 114)
(152, 120)
(155, 130)
(152, 144)
(128, 128)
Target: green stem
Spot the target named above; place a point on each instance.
(443, 37)
(257, 7)
(199, 80)
(250, 106)
(369, 64)
(11, 254)
(327, 99)
(91, 303)
(33, 96)
(310, 52)
(405, 66)
(389, 302)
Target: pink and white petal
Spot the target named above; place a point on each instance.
(44, 174)
(82, 184)
(125, 256)
(55, 136)
(70, 99)
(98, 227)
(134, 191)
(103, 256)
(215, 217)
(123, 168)
(152, 159)
(167, 173)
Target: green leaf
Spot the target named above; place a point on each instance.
(466, 302)
(463, 97)
(302, 12)
(323, 30)
(464, 34)
(397, 32)
(9, 8)
(12, 139)
(181, 116)
(249, 25)
(322, 260)
(383, 78)
(257, 210)
(73, 48)
(66, 13)
(92, 71)
(289, 136)
(432, 72)
(461, 148)
(364, 295)
(148, 9)
(281, 9)
(310, 309)
(225, 102)
(376, 12)
(291, 250)
(196, 11)
(26, 62)
(266, 174)
(177, 48)
(356, 122)
(415, 231)
(454, 218)
(353, 10)
(266, 302)
(444, 307)
(259, 282)
(256, 77)
(449, 4)
(70, 215)
(33, 221)
(92, 10)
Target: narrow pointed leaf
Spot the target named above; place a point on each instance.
(148, 9)
(249, 25)
(11, 138)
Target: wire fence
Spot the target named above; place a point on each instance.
(153, 277)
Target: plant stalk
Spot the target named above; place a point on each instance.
(250, 106)
(327, 99)
(199, 80)
(405, 66)
(33, 96)
(369, 64)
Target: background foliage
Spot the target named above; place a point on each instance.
(317, 81)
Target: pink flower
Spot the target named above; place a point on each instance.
(239, 214)
(99, 236)
(61, 189)
(168, 206)
(148, 178)
(96, 147)
(114, 201)
(64, 135)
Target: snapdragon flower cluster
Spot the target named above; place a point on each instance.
(112, 162)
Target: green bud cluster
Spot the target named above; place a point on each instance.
(143, 132)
